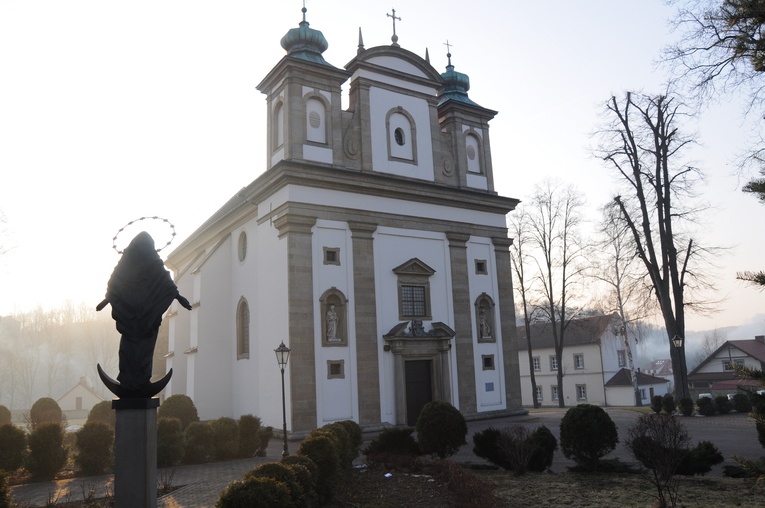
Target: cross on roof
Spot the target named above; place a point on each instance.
(395, 37)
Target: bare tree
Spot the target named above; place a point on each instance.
(519, 258)
(643, 144)
(616, 266)
(712, 341)
(554, 220)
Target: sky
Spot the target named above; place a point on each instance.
(112, 111)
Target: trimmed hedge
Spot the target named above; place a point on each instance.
(45, 410)
(321, 448)
(170, 446)
(254, 492)
(587, 433)
(441, 429)
(47, 454)
(706, 406)
(226, 441)
(95, 448)
(179, 406)
(249, 443)
(686, 406)
(13, 444)
(283, 473)
(393, 440)
(103, 413)
(200, 439)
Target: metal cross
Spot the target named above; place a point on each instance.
(448, 51)
(394, 20)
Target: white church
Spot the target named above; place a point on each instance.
(374, 245)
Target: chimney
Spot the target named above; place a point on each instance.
(760, 338)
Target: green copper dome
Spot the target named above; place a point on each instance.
(305, 42)
(456, 86)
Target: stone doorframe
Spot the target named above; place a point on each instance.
(416, 344)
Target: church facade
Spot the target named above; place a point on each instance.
(374, 245)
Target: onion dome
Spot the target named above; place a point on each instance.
(306, 43)
(456, 86)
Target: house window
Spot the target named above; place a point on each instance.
(581, 392)
(554, 392)
(78, 403)
(539, 394)
(414, 290)
(553, 363)
(621, 357)
(488, 362)
(331, 256)
(480, 267)
(242, 330)
(335, 369)
(579, 361)
(242, 247)
(402, 135)
(728, 365)
(642, 393)
(537, 364)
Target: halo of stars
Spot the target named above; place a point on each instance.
(172, 234)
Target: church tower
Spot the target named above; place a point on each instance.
(303, 97)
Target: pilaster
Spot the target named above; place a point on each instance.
(507, 321)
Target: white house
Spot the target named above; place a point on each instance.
(594, 362)
(80, 397)
(716, 374)
(374, 245)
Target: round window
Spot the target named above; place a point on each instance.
(242, 246)
(398, 135)
(471, 152)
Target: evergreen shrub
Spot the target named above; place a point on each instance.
(393, 440)
(179, 406)
(657, 403)
(95, 448)
(686, 406)
(226, 438)
(441, 429)
(47, 454)
(723, 405)
(668, 403)
(344, 446)
(265, 434)
(45, 410)
(306, 462)
(249, 443)
(706, 406)
(170, 446)
(283, 473)
(254, 492)
(103, 412)
(516, 449)
(306, 481)
(13, 444)
(587, 433)
(5, 493)
(199, 438)
(543, 445)
(5, 415)
(322, 450)
(699, 460)
(741, 403)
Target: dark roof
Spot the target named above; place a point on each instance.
(733, 384)
(587, 330)
(624, 378)
(662, 367)
(752, 347)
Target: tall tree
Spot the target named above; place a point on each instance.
(757, 187)
(616, 266)
(520, 260)
(644, 145)
(554, 220)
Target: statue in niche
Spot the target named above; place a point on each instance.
(140, 290)
(483, 324)
(331, 324)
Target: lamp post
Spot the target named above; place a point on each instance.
(678, 342)
(282, 355)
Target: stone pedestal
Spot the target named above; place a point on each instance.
(135, 460)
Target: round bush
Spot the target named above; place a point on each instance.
(344, 447)
(486, 444)
(686, 406)
(441, 429)
(543, 445)
(5, 415)
(95, 445)
(741, 403)
(103, 413)
(699, 460)
(706, 406)
(226, 438)
(306, 481)
(44, 410)
(200, 439)
(13, 443)
(47, 454)
(249, 444)
(254, 492)
(656, 403)
(668, 404)
(283, 473)
(264, 437)
(170, 446)
(587, 433)
(322, 450)
(179, 406)
(723, 405)
(393, 440)
(354, 433)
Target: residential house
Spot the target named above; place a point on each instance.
(661, 368)
(716, 374)
(79, 400)
(595, 364)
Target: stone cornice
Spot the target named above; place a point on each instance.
(293, 223)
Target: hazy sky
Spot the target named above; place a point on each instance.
(110, 111)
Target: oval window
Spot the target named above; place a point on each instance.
(242, 246)
(398, 135)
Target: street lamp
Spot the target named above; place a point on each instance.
(678, 342)
(282, 356)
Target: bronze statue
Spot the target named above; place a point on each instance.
(140, 290)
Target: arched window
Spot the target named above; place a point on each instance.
(402, 139)
(278, 134)
(242, 246)
(242, 330)
(472, 149)
(315, 121)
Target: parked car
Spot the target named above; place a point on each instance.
(705, 396)
(731, 395)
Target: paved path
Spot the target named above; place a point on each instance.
(733, 434)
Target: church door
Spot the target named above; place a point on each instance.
(419, 388)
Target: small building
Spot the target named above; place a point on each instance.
(619, 390)
(662, 368)
(593, 354)
(717, 373)
(79, 400)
